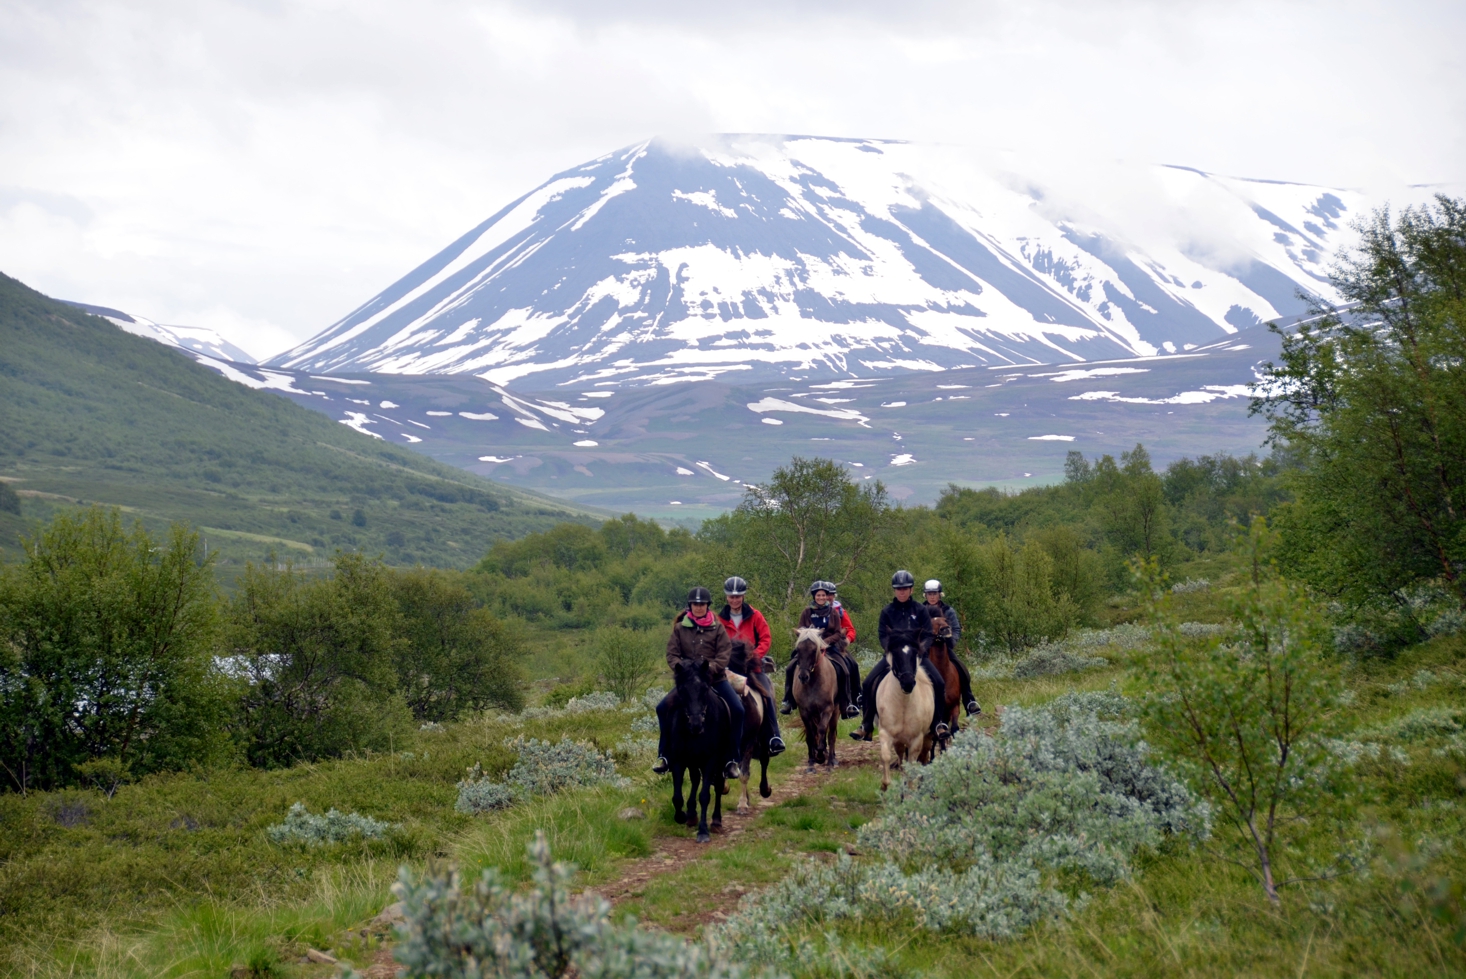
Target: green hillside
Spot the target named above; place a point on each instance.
(90, 414)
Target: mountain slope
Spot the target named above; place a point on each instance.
(196, 339)
(90, 413)
(809, 258)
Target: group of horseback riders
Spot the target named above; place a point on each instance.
(738, 638)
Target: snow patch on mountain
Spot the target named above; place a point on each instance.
(192, 339)
(802, 257)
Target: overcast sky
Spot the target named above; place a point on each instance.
(264, 167)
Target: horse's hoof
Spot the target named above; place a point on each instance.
(704, 836)
(765, 791)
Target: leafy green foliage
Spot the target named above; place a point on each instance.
(94, 413)
(542, 933)
(810, 520)
(455, 655)
(108, 638)
(627, 660)
(302, 826)
(1371, 398)
(1247, 707)
(9, 499)
(319, 657)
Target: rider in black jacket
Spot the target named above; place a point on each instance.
(902, 617)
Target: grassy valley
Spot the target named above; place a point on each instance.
(90, 414)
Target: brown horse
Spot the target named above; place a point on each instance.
(814, 692)
(938, 654)
(755, 748)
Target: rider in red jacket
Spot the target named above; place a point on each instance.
(746, 624)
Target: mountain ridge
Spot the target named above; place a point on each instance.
(782, 256)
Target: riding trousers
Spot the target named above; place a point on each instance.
(882, 668)
(735, 713)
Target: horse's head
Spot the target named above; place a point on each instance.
(808, 645)
(693, 696)
(738, 661)
(940, 627)
(904, 655)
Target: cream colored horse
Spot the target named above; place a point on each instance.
(904, 704)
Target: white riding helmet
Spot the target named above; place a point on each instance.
(931, 585)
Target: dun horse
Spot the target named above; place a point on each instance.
(941, 646)
(699, 746)
(814, 692)
(904, 704)
(755, 744)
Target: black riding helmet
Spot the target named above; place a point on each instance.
(903, 579)
(699, 596)
(735, 586)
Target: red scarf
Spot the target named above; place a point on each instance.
(705, 621)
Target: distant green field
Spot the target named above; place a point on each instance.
(90, 414)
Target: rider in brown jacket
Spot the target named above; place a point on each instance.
(698, 639)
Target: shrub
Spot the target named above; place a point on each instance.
(319, 660)
(1420, 724)
(107, 644)
(542, 933)
(1052, 660)
(973, 842)
(1246, 709)
(626, 660)
(479, 794)
(456, 656)
(9, 498)
(541, 768)
(301, 826)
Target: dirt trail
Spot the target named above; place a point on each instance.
(673, 853)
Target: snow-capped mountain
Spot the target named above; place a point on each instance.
(750, 256)
(192, 339)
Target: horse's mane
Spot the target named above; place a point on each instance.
(812, 634)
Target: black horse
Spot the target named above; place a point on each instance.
(698, 745)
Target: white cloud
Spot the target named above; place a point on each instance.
(262, 169)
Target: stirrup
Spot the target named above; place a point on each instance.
(851, 711)
(662, 766)
(942, 730)
(776, 746)
(973, 708)
(733, 770)
(786, 708)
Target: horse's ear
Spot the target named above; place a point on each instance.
(795, 633)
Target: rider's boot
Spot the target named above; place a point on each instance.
(787, 707)
(662, 766)
(732, 770)
(776, 746)
(867, 724)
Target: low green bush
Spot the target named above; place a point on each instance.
(542, 768)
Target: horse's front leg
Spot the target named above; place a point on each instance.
(763, 778)
(678, 816)
(694, 775)
(718, 805)
(811, 738)
(832, 734)
(703, 836)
